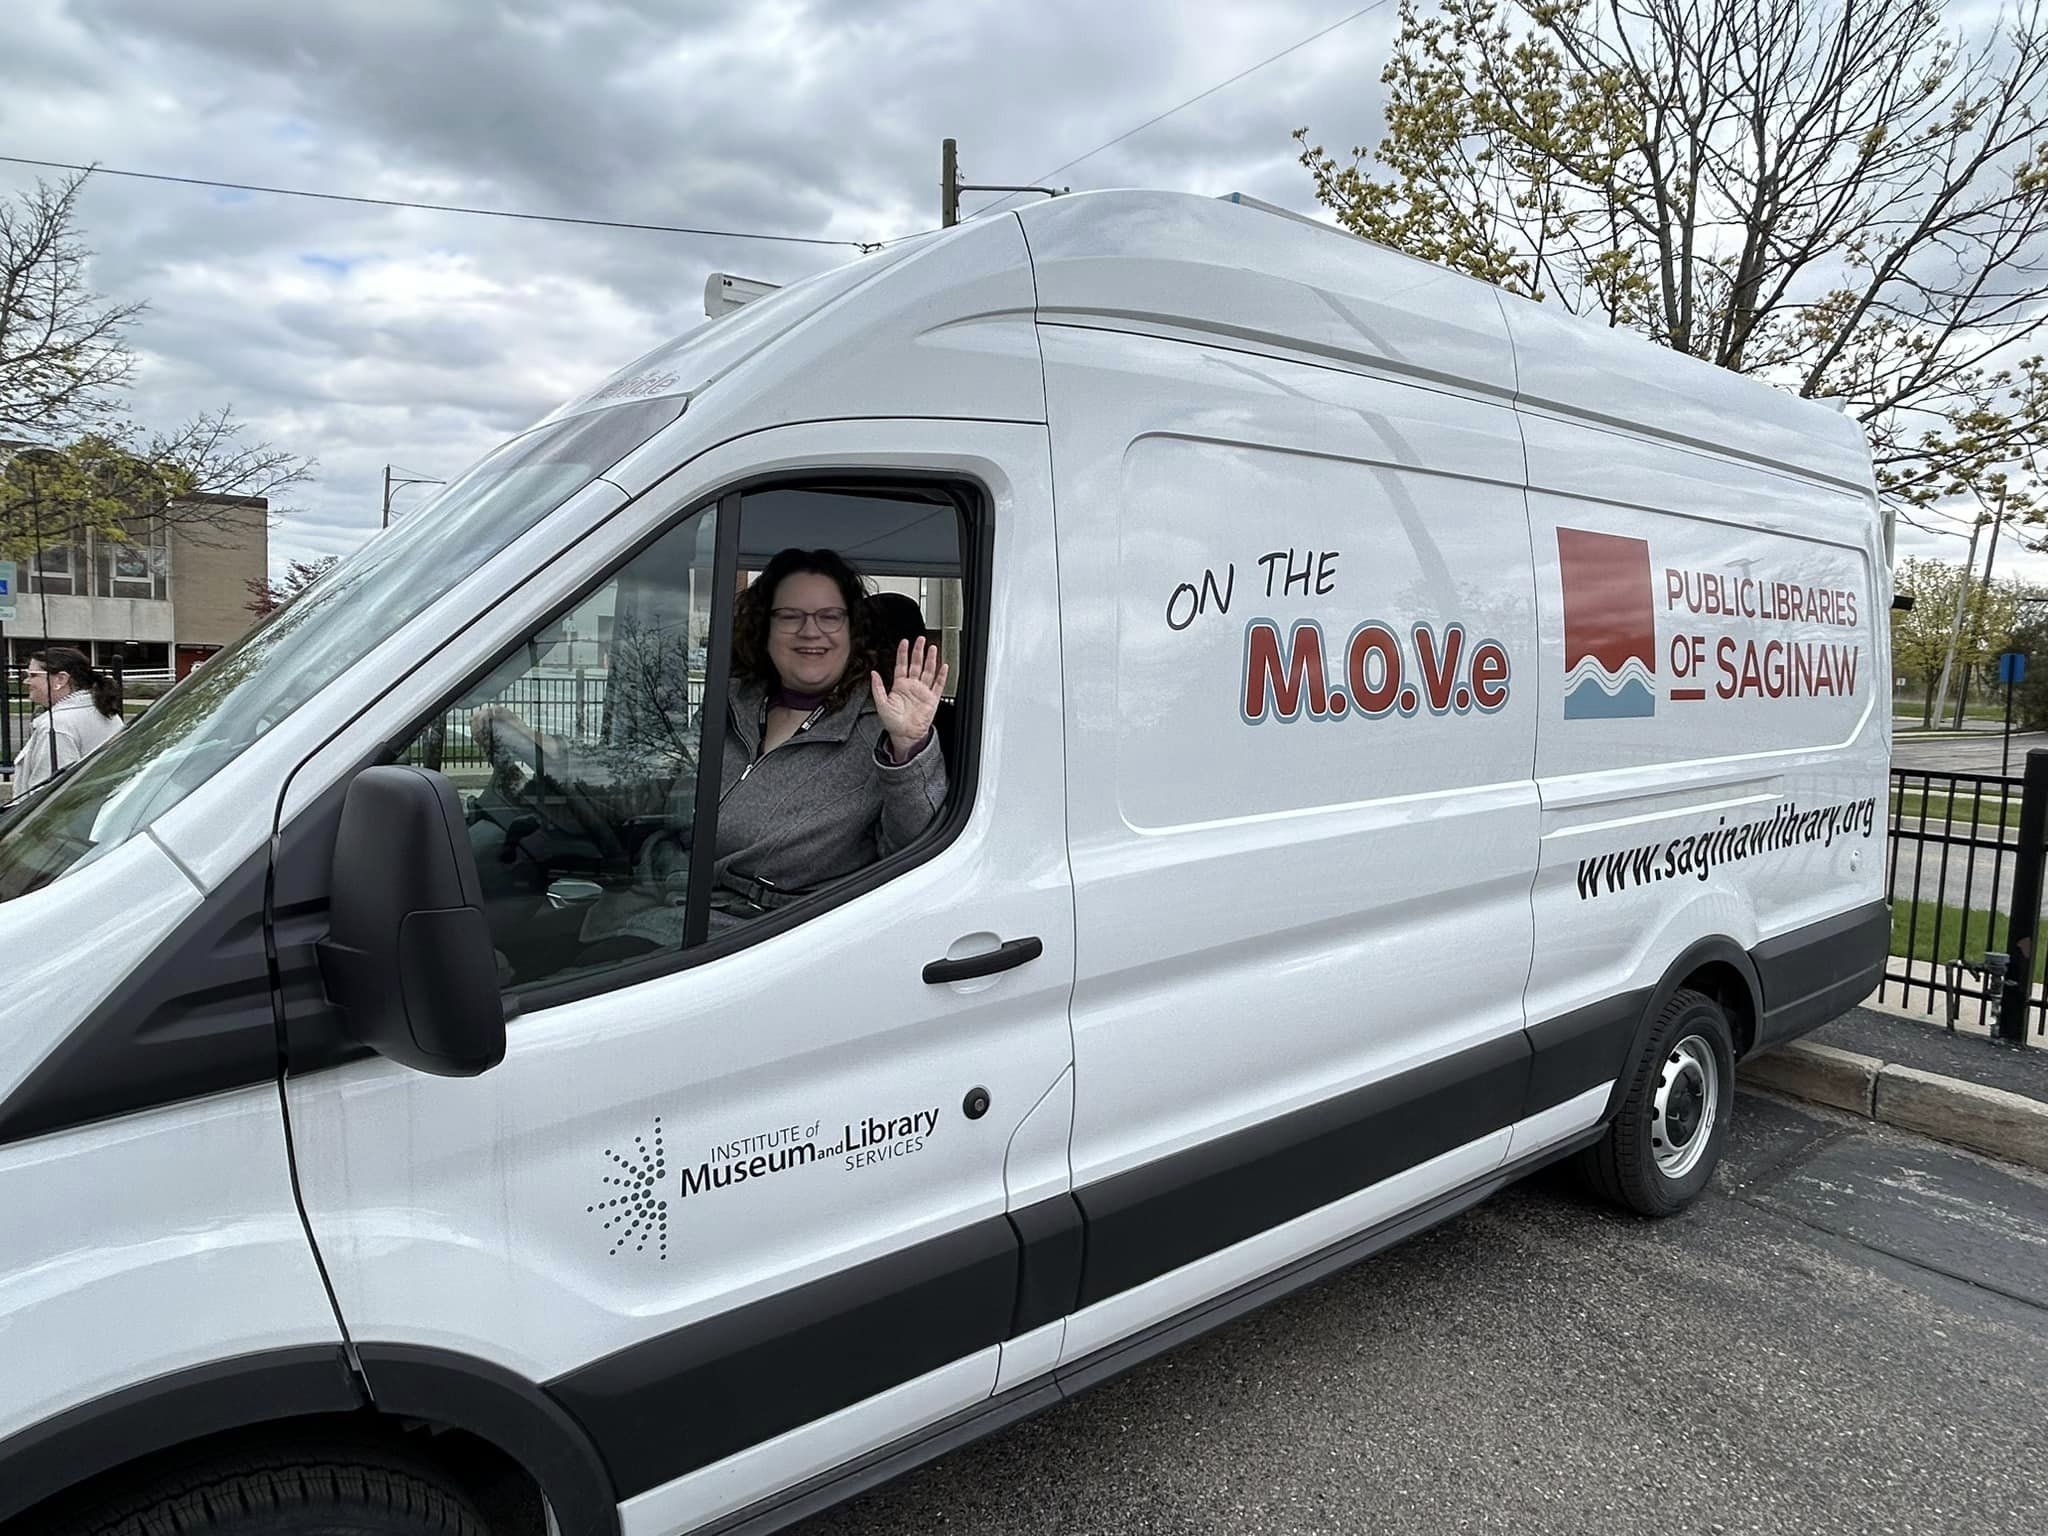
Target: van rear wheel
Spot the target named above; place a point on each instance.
(347, 1490)
(1663, 1146)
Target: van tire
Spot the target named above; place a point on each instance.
(343, 1490)
(1684, 1080)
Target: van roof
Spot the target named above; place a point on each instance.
(1229, 272)
(1239, 271)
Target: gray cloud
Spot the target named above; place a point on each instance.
(363, 336)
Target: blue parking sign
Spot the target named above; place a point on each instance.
(2012, 667)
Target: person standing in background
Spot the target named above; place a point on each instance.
(81, 713)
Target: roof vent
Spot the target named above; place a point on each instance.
(724, 293)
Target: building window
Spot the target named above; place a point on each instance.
(139, 570)
(55, 572)
(95, 566)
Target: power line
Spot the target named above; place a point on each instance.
(1346, 21)
(394, 202)
(1939, 533)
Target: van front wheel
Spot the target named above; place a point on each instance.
(347, 1491)
(1663, 1145)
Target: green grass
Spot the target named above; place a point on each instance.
(1969, 812)
(1976, 709)
(1946, 932)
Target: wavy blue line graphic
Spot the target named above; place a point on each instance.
(1588, 701)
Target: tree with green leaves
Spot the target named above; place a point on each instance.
(127, 488)
(68, 465)
(1920, 636)
(2030, 695)
(266, 596)
(1846, 199)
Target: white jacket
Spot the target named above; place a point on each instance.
(76, 727)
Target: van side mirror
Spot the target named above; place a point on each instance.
(408, 957)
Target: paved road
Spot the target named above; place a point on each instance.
(1966, 752)
(1977, 878)
(1987, 876)
(1849, 1334)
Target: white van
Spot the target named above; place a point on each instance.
(1397, 736)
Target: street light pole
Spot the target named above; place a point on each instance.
(1955, 633)
(399, 482)
(1997, 522)
(951, 186)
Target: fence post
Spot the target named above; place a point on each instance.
(2026, 900)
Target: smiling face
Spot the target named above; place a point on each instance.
(809, 632)
(40, 683)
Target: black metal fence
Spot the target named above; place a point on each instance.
(19, 713)
(570, 709)
(1963, 876)
(140, 689)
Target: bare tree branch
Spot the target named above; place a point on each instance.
(201, 479)
(63, 350)
(1843, 197)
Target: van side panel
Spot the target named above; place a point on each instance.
(137, 1247)
(1302, 882)
(1714, 727)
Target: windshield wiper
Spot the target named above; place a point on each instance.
(68, 846)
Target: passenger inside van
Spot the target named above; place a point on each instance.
(830, 760)
(894, 619)
(828, 766)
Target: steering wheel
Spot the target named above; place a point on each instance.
(538, 793)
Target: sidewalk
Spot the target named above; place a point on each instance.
(1922, 1000)
(1915, 1075)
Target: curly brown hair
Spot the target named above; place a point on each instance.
(750, 657)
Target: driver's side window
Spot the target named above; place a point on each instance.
(576, 761)
(846, 632)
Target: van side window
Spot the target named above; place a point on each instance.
(578, 756)
(834, 753)
(576, 760)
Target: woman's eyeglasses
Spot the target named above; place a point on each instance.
(790, 621)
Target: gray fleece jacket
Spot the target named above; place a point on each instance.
(827, 802)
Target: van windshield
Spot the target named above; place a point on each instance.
(212, 717)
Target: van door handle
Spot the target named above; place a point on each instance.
(1002, 958)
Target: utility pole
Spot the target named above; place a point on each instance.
(399, 482)
(951, 186)
(35, 514)
(1955, 633)
(1997, 522)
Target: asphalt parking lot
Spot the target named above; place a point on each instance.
(1848, 1334)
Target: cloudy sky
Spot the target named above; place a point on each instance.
(364, 336)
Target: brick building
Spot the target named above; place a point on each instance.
(161, 604)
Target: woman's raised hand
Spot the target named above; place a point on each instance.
(910, 704)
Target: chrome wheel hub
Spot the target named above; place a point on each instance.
(1687, 1102)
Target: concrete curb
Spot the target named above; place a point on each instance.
(1999, 1124)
